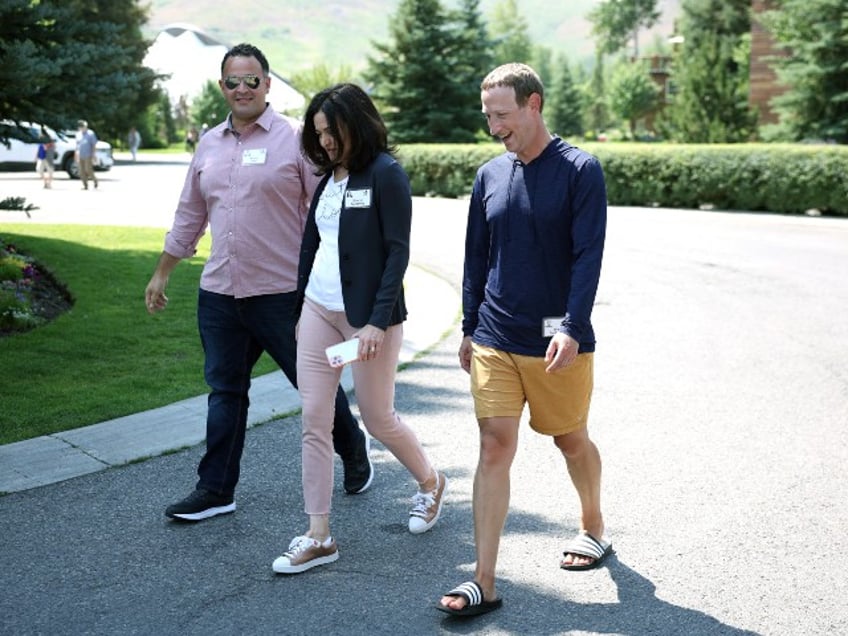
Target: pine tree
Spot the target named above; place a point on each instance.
(597, 108)
(472, 58)
(82, 59)
(815, 105)
(414, 77)
(564, 102)
(710, 74)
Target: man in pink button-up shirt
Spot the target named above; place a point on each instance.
(250, 184)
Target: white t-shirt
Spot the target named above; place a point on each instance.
(325, 284)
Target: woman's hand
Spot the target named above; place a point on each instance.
(370, 342)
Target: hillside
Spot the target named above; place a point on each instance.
(296, 34)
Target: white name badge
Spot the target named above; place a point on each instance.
(358, 198)
(253, 157)
(550, 326)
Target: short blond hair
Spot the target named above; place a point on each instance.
(520, 78)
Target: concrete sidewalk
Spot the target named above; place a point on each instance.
(434, 308)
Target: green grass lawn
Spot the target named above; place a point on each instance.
(106, 357)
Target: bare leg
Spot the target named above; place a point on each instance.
(498, 443)
(584, 467)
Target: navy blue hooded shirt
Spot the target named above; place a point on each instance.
(533, 249)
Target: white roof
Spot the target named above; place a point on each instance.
(192, 58)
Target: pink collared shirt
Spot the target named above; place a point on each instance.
(253, 191)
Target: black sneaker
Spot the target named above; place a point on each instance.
(358, 469)
(200, 505)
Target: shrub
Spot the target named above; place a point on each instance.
(780, 178)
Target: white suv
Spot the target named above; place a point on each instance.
(19, 150)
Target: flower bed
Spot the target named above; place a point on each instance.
(29, 295)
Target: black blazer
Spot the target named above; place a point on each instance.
(373, 244)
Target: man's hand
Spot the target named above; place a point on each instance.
(562, 350)
(154, 295)
(465, 354)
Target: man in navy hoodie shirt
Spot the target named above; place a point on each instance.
(533, 251)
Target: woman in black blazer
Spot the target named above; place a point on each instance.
(353, 258)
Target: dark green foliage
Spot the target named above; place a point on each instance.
(445, 170)
(157, 127)
(75, 59)
(710, 75)
(756, 177)
(816, 73)
(17, 203)
(597, 107)
(759, 177)
(563, 101)
(771, 178)
(473, 60)
(633, 94)
(421, 79)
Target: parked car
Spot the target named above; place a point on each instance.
(19, 149)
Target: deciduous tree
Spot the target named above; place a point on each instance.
(633, 94)
(210, 106)
(509, 32)
(617, 22)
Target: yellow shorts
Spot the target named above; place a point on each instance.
(501, 383)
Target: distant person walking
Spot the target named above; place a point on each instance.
(86, 144)
(191, 139)
(133, 141)
(44, 162)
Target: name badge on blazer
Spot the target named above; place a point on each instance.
(358, 198)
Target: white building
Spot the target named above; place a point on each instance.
(192, 58)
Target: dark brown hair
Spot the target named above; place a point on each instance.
(347, 108)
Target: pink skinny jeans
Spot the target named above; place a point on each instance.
(374, 385)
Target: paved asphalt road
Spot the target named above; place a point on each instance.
(720, 411)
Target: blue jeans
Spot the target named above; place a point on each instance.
(234, 333)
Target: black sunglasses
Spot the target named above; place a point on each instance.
(233, 81)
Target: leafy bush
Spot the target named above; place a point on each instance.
(445, 170)
(780, 178)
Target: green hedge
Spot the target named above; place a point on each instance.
(780, 178)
